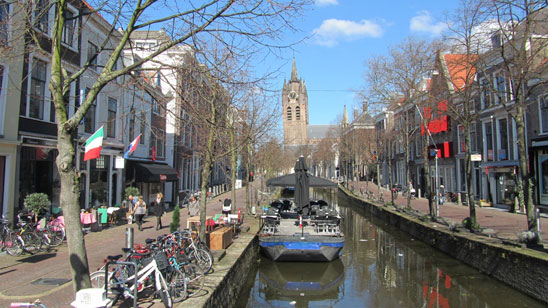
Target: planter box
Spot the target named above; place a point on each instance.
(220, 238)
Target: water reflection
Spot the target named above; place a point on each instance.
(300, 283)
(380, 267)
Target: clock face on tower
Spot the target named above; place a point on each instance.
(292, 95)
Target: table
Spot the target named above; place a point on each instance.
(194, 221)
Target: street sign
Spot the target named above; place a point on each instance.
(475, 157)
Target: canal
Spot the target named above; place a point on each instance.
(380, 266)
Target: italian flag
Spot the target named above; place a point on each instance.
(94, 145)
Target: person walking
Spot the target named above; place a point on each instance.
(140, 210)
(159, 210)
(193, 207)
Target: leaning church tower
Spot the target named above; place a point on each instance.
(295, 109)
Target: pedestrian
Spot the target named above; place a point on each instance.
(140, 210)
(227, 209)
(193, 207)
(159, 210)
(127, 205)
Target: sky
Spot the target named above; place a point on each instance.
(345, 34)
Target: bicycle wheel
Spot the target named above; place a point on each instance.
(98, 281)
(14, 244)
(31, 241)
(164, 293)
(177, 285)
(195, 278)
(205, 260)
(56, 235)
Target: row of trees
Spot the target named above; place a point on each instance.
(229, 107)
(399, 78)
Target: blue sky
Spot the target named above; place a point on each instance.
(346, 34)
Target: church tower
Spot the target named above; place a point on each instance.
(295, 109)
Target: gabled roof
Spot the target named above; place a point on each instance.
(461, 69)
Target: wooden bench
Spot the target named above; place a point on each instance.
(220, 238)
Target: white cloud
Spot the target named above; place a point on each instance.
(331, 31)
(424, 22)
(326, 2)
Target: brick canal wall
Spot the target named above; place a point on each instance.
(521, 268)
(225, 283)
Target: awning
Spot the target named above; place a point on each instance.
(150, 172)
(502, 163)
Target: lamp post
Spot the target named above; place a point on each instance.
(436, 150)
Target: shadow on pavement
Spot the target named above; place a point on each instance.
(38, 257)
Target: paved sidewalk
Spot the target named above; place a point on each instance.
(17, 274)
(503, 224)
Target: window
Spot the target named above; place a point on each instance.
(159, 80)
(41, 15)
(543, 113)
(488, 141)
(462, 142)
(68, 30)
(143, 127)
(89, 118)
(160, 143)
(92, 55)
(155, 106)
(111, 117)
(500, 88)
(502, 139)
(4, 22)
(485, 96)
(38, 90)
(131, 124)
(298, 113)
(473, 138)
(289, 113)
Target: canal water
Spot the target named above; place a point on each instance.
(379, 267)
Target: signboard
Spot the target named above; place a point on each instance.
(119, 162)
(475, 157)
(163, 177)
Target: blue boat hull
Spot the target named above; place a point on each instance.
(296, 249)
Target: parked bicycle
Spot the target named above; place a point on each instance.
(36, 303)
(132, 276)
(12, 242)
(34, 239)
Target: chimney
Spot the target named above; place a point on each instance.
(355, 113)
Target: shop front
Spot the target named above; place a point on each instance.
(540, 152)
(149, 177)
(501, 178)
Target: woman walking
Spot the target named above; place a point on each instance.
(139, 211)
(159, 209)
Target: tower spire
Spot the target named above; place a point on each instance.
(294, 71)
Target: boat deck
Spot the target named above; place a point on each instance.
(290, 227)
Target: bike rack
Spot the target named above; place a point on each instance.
(135, 286)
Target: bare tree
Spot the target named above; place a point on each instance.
(242, 26)
(400, 78)
(521, 33)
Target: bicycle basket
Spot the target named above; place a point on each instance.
(161, 260)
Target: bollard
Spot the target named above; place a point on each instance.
(129, 237)
(418, 193)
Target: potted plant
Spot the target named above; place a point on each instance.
(37, 203)
(130, 190)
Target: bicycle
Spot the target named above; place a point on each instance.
(195, 249)
(34, 240)
(36, 303)
(11, 241)
(55, 229)
(123, 281)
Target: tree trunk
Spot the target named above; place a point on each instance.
(233, 158)
(524, 184)
(68, 199)
(390, 180)
(407, 170)
(247, 201)
(426, 158)
(468, 171)
(206, 171)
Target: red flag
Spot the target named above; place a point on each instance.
(153, 153)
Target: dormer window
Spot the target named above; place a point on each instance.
(496, 40)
